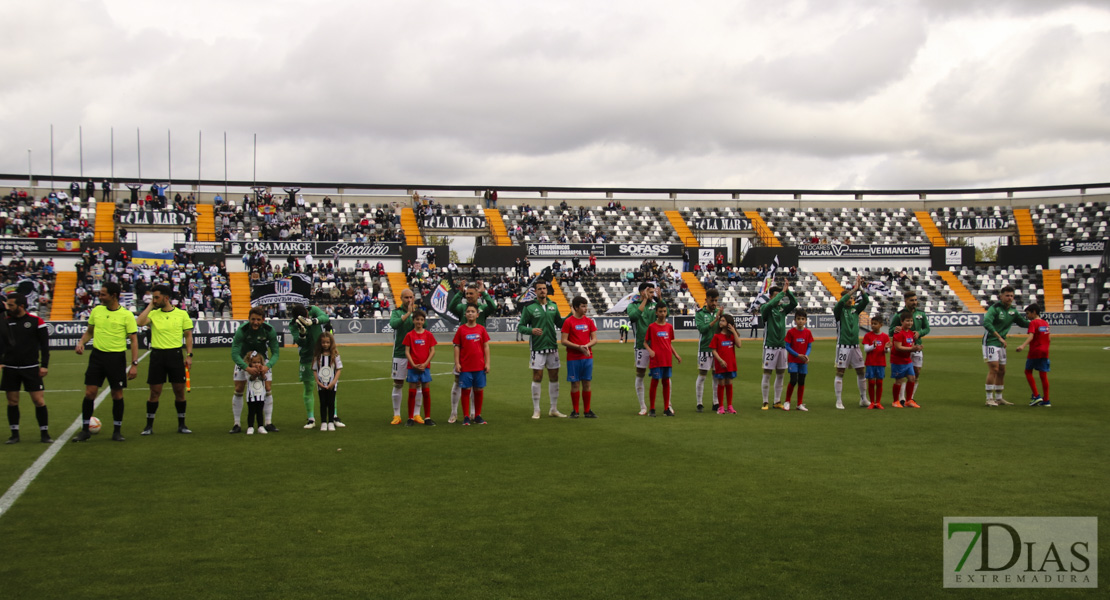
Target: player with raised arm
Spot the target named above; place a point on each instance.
(256, 335)
(579, 335)
(541, 320)
(641, 313)
(401, 322)
(920, 327)
(997, 322)
(707, 319)
(306, 327)
(846, 312)
(169, 325)
(475, 295)
(26, 339)
(774, 313)
(1038, 343)
(111, 326)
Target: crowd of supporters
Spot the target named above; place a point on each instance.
(268, 218)
(56, 215)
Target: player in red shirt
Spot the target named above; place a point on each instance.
(904, 345)
(799, 342)
(724, 346)
(1037, 342)
(876, 344)
(579, 334)
(420, 348)
(660, 334)
(472, 362)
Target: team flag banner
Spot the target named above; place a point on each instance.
(295, 290)
(765, 287)
(442, 298)
(529, 295)
(622, 305)
(30, 289)
(878, 288)
(69, 245)
(157, 259)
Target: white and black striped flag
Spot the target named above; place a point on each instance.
(878, 288)
(765, 288)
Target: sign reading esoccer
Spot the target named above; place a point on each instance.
(863, 250)
(455, 222)
(722, 224)
(164, 218)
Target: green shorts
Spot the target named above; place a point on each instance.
(305, 373)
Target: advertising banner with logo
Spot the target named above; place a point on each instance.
(455, 222)
(863, 251)
(1076, 247)
(977, 224)
(302, 248)
(724, 225)
(606, 250)
(158, 218)
(294, 290)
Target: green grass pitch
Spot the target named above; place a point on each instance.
(836, 504)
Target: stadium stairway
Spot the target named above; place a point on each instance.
(497, 228)
(397, 284)
(830, 283)
(560, 298)
(684, 233)
(930, 228)
(104, 228)
(1027, 235)
(206, 226)
(697, 290)
(961, 291)
(240, 284)
(65, 288)
(413, 236)
(1053, 290)
(762, 230)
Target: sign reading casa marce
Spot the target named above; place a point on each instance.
(978, 223)
(455, 222)
(154, 217)
(348, 249)
(862, 250)
(722, 224)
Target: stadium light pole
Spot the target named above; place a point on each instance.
(225, 166)
(30, 178)
(81, 151)
(112, 153)
(169, 158)
(254, 172)
(139, 154)
(200, 139)
(52, 157)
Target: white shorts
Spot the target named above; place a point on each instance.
(774, 358)
(918, 359)
(994, 354)
(399, 370)
(241, 374)
(643, 359)
(705, 361)
(544, 360)
(849, 357)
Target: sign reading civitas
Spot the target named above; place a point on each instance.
(155, 218)
(455, 222)
(723, 224)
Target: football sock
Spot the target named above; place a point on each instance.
(268, 408)
(1032, 382)
(86, 413)
(151, 410)
(464, 394)
(419, 400)
(699, 388)
(801, 394)
(654, 386)
(456, 394)
(720, 390)
(838, 387)
(778, 385)
(990, 392)
(553, 394)
(43, 416)
(1044, 384)
(427, 396)
(236, 407)
(909, 389)
(897, 389)
(640, 391)
(309, 400)
(180, 407)
(586, 398)
(479, 396)
(789, 391)
(861, 384)
(765, 386)
(871, 390)
(574, 400)
(13, 417)
(117, 413)
(879, 391)
(728, 390)
(998, 392)
(536, 392)
(412, 401)
(397, 400)
(666, 394)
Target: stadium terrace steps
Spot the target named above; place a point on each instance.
(930, 228)
(397, 284)
(206, 225)
(65, 289)
(961, 291)
(413, 237)
(830, 283)
(697, 290)
(497, 227)
(104, 228)
(560, 298)
(683, 231)
(765, 234)
(1053, 290)
(1027, 234)
(240, 285)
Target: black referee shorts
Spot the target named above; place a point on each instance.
(13, 378)
(107, 365)
(166, 364)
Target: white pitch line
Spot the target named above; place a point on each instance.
(215, 387)
(28, 476)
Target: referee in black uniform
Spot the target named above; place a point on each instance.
(168, 325)
(25, 339)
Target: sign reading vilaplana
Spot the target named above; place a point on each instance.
(863, 250)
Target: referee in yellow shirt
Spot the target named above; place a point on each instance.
(168, 325)
(111, 326)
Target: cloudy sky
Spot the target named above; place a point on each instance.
(736, 94)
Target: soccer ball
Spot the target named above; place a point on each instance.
(94, 425)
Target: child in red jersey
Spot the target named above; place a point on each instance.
(1037, 342)
(579, 334)
(420, 349)
(876, 344)
(660, 334)
(799, 343)
(472, 363)
(724, 346)
(903, 346)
